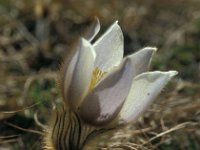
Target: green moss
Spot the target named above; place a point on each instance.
(40, 92)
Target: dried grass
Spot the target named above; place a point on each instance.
(29, 60)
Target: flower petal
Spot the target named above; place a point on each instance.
(106, 99)
(109, 48)
(79, 73)
(145, 88)
(141, 59)
(92, 30)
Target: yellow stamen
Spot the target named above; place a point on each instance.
(96, 77)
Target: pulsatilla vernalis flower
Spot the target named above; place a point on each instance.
(101, 89)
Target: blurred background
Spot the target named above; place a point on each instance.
(36, 34)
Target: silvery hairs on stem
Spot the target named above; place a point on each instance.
(101, 89)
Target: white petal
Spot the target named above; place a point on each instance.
(141, 59)
(106, 99)
(93, 30)
(67, 72)
(109, 48)
(144, 90)
(79, 73)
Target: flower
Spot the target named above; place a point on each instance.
(102, 86)
(101, 89)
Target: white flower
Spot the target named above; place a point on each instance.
(104, 88)
(101, 89)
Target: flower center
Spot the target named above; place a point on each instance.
(96, 77)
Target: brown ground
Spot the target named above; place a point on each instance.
(35, 35)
